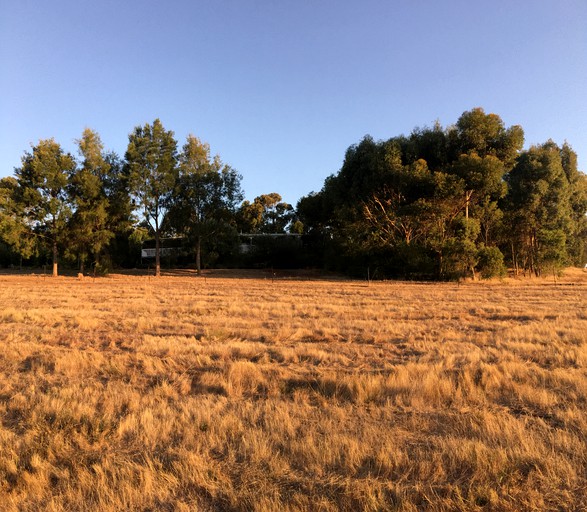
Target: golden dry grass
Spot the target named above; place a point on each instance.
(183, 393)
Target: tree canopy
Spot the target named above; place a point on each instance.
(40, 198)
(449, 202)
(439, 203)
(151, 158)
(205, 198)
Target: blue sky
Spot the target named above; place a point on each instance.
(280, 89)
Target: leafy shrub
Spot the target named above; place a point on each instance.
(491, 263)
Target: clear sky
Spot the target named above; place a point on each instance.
(281, 88)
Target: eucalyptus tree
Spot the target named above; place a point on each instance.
(482, 151)
(266, 214)
(398, 203)
(577, 241)
(151, 157)
(206, 196)
(485, 134)
(41, 199)
(539, 209)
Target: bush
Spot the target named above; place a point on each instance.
(491, 263)
(103, 267)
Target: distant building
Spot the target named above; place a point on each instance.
(249, 241)
(168, 247)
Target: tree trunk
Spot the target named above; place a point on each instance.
(157, 255)
(198, 255)
(534, 260)
(81, 266)
(486, 234)
(468, 195)
(55, 271)
(514, 260)
(440, 264)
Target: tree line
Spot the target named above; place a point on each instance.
(449, 202)
(98, 208)
(441, 203)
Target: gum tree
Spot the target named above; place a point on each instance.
(539, 208)
(266, 214)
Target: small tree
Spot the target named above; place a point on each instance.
(491, 263)
(552, 251)
(461, 249)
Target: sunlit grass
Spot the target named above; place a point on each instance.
(184, 393)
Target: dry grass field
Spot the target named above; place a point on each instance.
(224, 393)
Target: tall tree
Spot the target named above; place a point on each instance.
(266, 214)
(120, 211)
(427, 201)
(41, 194)
(539, 209)
(206, 195)
(577, 241)
(486, 134)
(90, 227)
(13, 228)
(151, 157)
(483, 150)
(482, 176)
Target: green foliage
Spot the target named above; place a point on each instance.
(90, 227)
(103, 267)
(491, 262)
(266, 214)
(483, 175)
(205, 198)
(120, 215)
(55, 205)
(40, 198)
(151, 157)
(454, 196)
(461, 248)
(13, 228)
(139, 235)
(577, 237)
(552, 253)
(440, 203)
(485, 134)
(539, 208)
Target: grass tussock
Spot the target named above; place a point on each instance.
(179, 393)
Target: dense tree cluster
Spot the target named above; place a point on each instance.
(448, 202)
(441, 203)
(98, 208)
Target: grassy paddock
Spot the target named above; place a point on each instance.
(184, 393)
